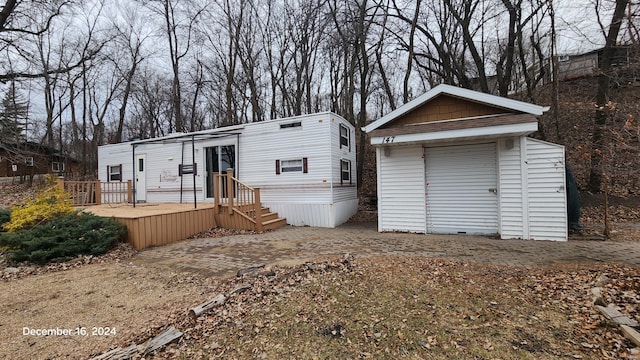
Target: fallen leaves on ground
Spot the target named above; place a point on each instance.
(120, 252)
(391, 307)
(16, 194)
(220, 232)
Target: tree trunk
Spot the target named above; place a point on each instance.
(602, 97)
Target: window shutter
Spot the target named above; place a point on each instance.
(305, 168)
(179, 169)
(120, 171)
(340, 135)
(277, 167)
(349, 134)
(108, 174)
(350, 172)
(195, 169)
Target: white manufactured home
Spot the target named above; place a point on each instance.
(459, 161)
(304, 166)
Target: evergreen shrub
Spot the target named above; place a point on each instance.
(5, 216)
(63, 238)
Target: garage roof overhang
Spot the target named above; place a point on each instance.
(509, 105)
(486, 127)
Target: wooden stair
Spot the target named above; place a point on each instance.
(246, 221)
(243, 210)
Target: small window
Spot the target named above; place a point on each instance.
(291, 125)
(345, 137)
(295, 165)
(291, 165)
(345, 172)
(28, 161)
(57, 167)
(114, 173)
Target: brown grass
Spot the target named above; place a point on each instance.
(414, 308)
(129, 298)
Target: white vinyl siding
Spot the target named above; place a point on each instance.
(462, 189)
(401, 189)
(510, 191)
(546, 190)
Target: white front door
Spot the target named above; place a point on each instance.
(141, 178)
(461, 189)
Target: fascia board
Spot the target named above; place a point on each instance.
(500, 130)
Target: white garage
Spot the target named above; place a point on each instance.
(456, 161)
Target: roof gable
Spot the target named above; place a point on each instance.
(484, 103)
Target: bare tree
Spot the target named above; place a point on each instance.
(602, 97)
(180, 18)
(129, 26)
(22, 24)
(151, 106)
(354, 23)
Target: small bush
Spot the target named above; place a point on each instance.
(63, 238)
(51, 202)
(5, 216)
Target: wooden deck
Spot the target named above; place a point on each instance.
(158, 224)
(150, 224)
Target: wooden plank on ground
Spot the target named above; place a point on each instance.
(118, 353)
(161, 340)
(631, 334)
(616, 316)
(206, 306)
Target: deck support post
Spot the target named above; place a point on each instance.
(98, 192)
(230, 191)
(129, 192)
(216, 192)
(258, 209)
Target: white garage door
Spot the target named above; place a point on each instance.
(462, 189)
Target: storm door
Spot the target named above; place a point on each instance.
(217, 160)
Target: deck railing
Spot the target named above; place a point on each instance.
(237, 198)
(85, 193)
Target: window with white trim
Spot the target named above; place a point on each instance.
(345, 172)
(291, 165)
(57, 166)
(345, 137)
(114, 173)
(28, 161)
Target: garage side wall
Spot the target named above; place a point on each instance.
(510, 189)
(401, 186)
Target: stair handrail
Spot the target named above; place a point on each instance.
(245, 200)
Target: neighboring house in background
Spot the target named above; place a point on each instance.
(458, 161)
(587, 64)
(305, 166)
(570, 67)
(30, 158)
